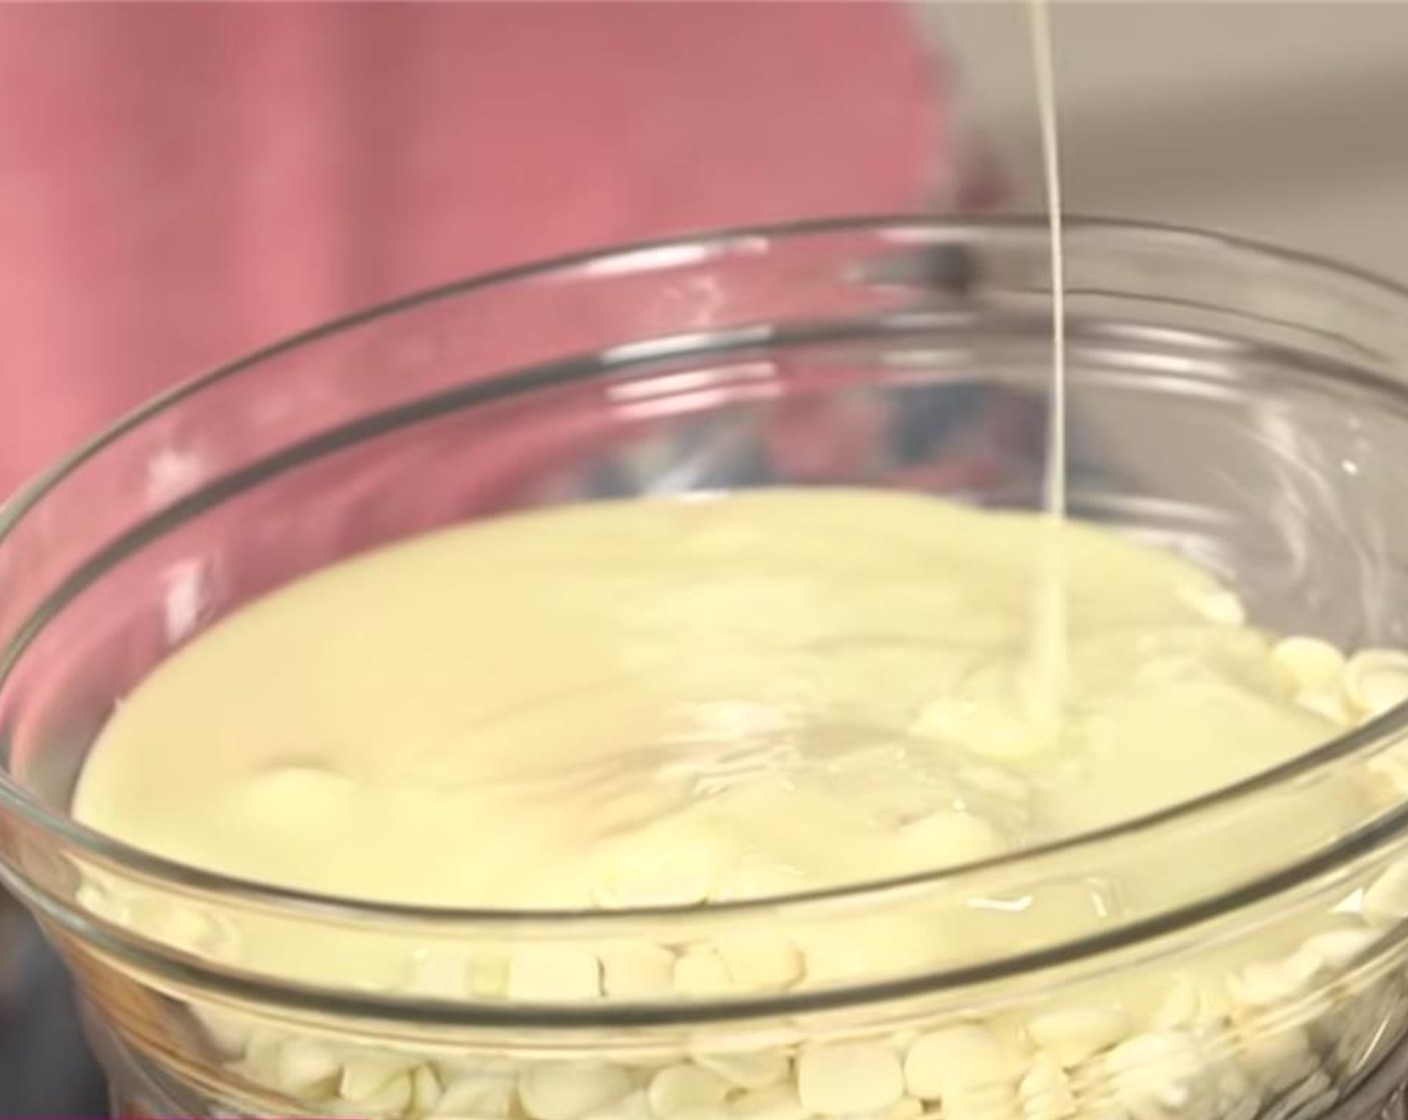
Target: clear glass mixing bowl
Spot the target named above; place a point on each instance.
(1244, 406)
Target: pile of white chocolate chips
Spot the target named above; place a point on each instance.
(677, 703)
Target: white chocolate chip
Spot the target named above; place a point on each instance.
(991, 1102)
(570, 1090)
(777, 1102)
(484, 1065)
(845, 1078)
(760, 960)
(476, 1093)
(97, 895)
(1376, 680)
(1045, 1092)
(1187, 1001)
(1157, 1074)
(1311, 969)
(1339, 948)
(307, 1068)
(1071, 1035)
(635, 969)
(191, 929)
(297, 791)
(392, 1099)
(230, 1033)
(1385, 902)
(665, 874)
(685, 1088)
(1311, 662)
(1218, 606)
(1233, 1085)
(633, 1106)
(948, 839)
(439, 972)
(755, 1070)
(958, 1061)
(261, 1054)
(1266, 984)
(366, 1076)
(1389, 768)
(557, 973)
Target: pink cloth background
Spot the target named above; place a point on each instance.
(182, 183)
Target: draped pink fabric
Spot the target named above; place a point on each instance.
(181, 183)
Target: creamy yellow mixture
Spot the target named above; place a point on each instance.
(666, 701)
(678, 702)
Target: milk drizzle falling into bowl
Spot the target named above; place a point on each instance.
(1042, 685)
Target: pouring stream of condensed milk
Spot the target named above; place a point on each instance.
(1043, 679)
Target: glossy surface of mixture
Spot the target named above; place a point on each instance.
(675, 701)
